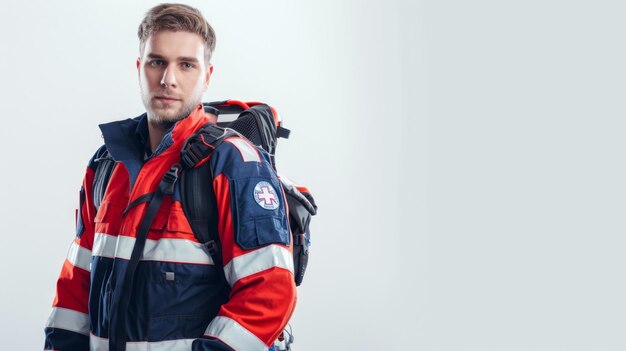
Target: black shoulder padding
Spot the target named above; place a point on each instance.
(80, 224)
(97, 155)
(104, 167)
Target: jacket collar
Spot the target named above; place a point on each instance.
(125, 140)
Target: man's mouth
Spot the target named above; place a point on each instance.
(166, 98)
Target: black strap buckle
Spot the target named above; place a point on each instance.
(169, 179)
(282, 132)
(213, 248)
(200, 145)
(190, 155)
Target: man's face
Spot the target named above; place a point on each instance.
(172, 75)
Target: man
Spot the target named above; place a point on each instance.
(172, 296)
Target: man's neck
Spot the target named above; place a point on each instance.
(156, 131)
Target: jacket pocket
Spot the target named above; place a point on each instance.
(108, 218)
(171, 223)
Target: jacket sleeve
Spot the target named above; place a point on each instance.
(67, 327)
(256, 251)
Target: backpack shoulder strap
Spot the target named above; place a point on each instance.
(197, 194)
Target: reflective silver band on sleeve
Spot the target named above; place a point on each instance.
(257, 261)
(247, 151)
(79, 256)
(65, 318)
(102, 344)
(234, 335)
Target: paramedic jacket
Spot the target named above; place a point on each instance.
(177, 300)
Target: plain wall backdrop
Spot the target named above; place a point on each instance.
(466, 156)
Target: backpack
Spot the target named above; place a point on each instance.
(261, 125)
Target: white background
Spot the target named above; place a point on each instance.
(466, 156)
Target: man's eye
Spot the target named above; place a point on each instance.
(156, 63)
(187, 65)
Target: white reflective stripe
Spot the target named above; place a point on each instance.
(64, 318)
(104, 245)
(102, 344)
(257, 261)
(79, 257)
(164, 249)
(234, 335)
(124, 246)
(176, 250)
(248, 152)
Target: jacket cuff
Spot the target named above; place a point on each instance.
(64, 340)
(210, 344)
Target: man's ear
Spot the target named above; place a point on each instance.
(138, 65)
(207, 77)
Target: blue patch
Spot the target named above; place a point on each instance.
(265, 196)
(254, 225)
(259, 216)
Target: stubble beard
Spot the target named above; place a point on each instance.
(165, 121)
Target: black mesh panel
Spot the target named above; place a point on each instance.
(247, 126)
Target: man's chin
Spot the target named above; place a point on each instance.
(166, 114)
(169, 115)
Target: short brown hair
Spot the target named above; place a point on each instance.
(177, 17)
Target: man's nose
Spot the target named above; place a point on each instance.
(169, 77)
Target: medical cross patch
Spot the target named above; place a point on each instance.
(265, 196)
